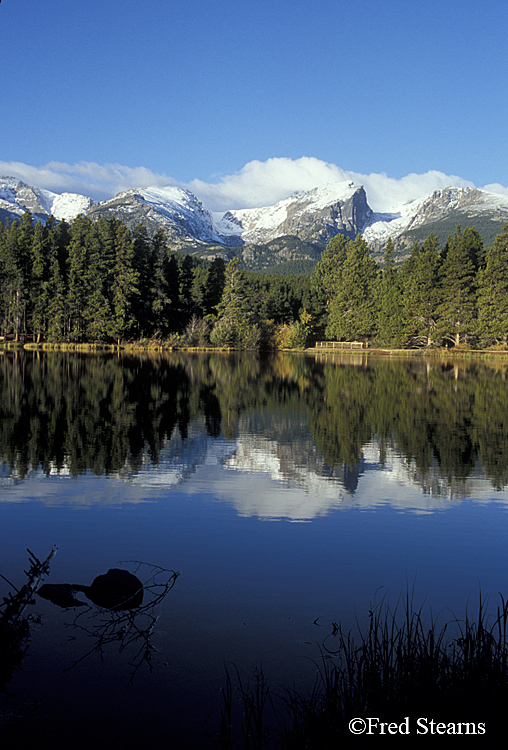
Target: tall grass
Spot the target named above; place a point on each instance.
(401, 664)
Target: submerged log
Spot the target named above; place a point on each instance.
(116, 589)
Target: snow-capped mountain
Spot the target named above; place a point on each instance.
(314, 216)
(179, 212)
(466, 206)
(16, 197)
(296, 228)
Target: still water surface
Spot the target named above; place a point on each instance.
(289, 491)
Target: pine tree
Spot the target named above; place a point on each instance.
(420, 291)
(236, 325)
(57, 240)
(185, 282)
(98, 310)
(214, 286)
(143, 265)
(207, 287)
(22, 249)
(163, 281)
(199, 278)
(124, 287)
(14, 283)
(474, 247)
(326, 276)
(39, 282)
(353, 309)
(457, 310)
(77, 273)
(392, 321)
(57, 301)
(493, 292)
(4, 282)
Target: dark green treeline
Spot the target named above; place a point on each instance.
(451, 296)
(112, 413)
(99, 282)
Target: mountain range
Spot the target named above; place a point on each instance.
(289, 235)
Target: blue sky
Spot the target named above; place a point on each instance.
(247, 101)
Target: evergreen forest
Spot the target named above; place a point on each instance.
(99, 282)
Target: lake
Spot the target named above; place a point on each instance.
(290, 491)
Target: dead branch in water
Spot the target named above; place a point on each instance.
(14, 625)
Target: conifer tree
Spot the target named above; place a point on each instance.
(163, 284)
(214, 286)
(493, 293)
(326, 276)
(124, 287)
(236, 325)
(474, 247)
(14, 286)
(56, 301)
(56, 250)
(207, 287)
(183, 306)
(392, 321)
(353, 309)
(4, 291)
(143, 265)
(60, 234)
(39, 282)
(420, 289)
(457, 310)
(98, 310)
(77, 272)
(21, 240)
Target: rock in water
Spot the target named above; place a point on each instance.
(116, 589)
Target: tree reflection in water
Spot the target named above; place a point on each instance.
(113, 415)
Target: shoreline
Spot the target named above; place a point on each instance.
(435, 353)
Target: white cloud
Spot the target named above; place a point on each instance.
(256, 184)
(87, 178)
(387, 193)
(264, 183)
(495, 187)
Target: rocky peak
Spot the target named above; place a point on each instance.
(26, 197)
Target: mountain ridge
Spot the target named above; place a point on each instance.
(300, 225)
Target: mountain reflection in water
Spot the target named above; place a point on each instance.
(180, 459)
(321, 425)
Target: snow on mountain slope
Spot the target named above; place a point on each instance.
(17, 197)
(391, 225)
(182, 206)
(175, 209)
(313, 217)
(297, 211)
(69, 205)
(24, 197)
(470, 201)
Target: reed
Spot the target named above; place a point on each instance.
(402, 664)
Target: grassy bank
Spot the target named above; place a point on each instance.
(157, 345)
(403, 668)
(141, 346)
